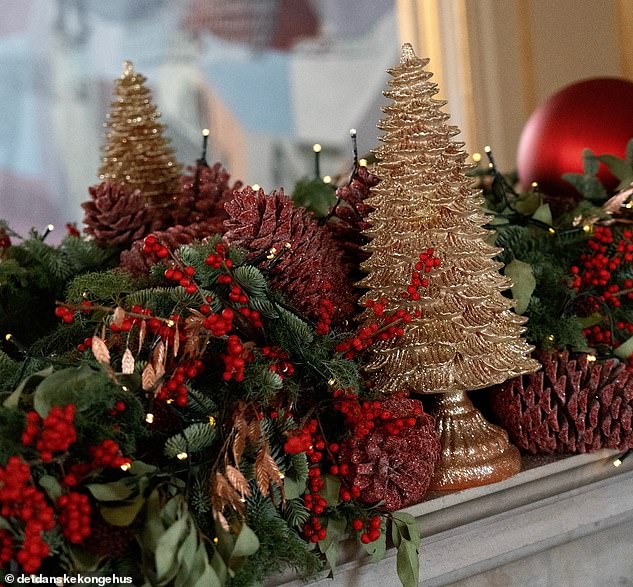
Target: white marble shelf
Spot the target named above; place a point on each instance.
(561, 522)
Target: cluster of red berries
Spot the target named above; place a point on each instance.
(107, 455)
(221, 323)
(53, 434)
(118, 408)
(74, 516)
(218, 259)
(599, 274)
(20, 500)
(253, 316)
(151, 246)
(175, 388)
(72, 230)
(326, 311)
(182, 277)
(65, 314)
(282, 366)
(6, 547)
(369, 528)
(86, 345)
(362, 417)
(426, 264)
(235, 359)
(390, 326)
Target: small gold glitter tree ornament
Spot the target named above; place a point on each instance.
(136, 152)
(466, 336)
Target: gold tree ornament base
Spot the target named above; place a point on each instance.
(474, 451)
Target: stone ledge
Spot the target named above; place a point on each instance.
(553, 501)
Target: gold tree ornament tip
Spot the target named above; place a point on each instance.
(128, 67)
(407, 53)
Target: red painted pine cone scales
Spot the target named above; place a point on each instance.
(571, 406)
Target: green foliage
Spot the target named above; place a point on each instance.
(405, 536)
(587, 183)
(194, 438)
(34, 275)
(172, 549)
(314, 195)
(279, 548)
(104, 286)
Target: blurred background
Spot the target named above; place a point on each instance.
(270, 78)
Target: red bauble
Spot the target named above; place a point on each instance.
(594, 114)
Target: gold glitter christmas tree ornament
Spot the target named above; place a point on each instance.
(467, 336)
(136, 152)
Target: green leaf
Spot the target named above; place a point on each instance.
(85, 561)
(408, 564)
(116, 491)
(246, 544)
(30, 382)
(51, 485)
(629, 152)
(331, 488)
(591, 320)
(330, 545)
(621, 168)
(293, 488)
(625, 349)
(523, 283)
(68, 386)
(123, 515)
(167, 548)
(314, 195)
(376, 549)
(590, 162)
(140, 468)
(544, 214)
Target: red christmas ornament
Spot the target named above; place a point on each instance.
(594, 114)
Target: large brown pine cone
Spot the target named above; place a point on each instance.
(571, 405)
(117, 216)
(350, 219)
(203, 195)
(307, 270)
(138, 262)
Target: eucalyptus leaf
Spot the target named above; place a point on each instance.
(330, 545)
(51, 485)
(68, 386)
(84, 561)
(123, 515)
(29, 383)
(523, 283)
(590, 162)
(331, 488)
(544, 214)
(293, 488)
(408, 564)
(246, 544)
(621, 168)
(376, 549)
(116, 491)
(167, 548)
(625, 349)
(629, 152)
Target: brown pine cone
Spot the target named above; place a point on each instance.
(138, 262)
(307, 270)
(350, 219)
(116, 216)
(570, 406)
(203, 195)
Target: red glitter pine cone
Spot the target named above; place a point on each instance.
(572, 405)
(395, 470)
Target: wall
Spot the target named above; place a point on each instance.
(497, 60)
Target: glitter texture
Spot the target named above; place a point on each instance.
(467, 336)
(136, 152)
